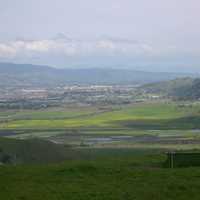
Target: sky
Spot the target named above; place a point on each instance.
(152, 35)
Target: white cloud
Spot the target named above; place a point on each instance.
(70, 47)
(106, 45)
(39, 46)
(7, 51)
(67, 47)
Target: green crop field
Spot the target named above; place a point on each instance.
(54, 113)
(138, 116)
(80, 125)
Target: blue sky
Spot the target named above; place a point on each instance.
(140, 34)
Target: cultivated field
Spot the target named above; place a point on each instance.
(152, 125)
(138, 116)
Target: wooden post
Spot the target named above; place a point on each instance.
(172, 159)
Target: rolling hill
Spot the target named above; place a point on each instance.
(181, 88)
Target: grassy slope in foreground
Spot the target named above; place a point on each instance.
(32, 151)
(110, 174)
(139, 116)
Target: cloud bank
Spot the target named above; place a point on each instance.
(73, 47)
(62, 51)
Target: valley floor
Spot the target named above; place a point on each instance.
(157, 124)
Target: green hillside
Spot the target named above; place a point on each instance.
(180, 89)
(102, 174)
(14, 151)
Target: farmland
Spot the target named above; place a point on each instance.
(116, 117)
(151, 124)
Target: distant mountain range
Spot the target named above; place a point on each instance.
(35, 75)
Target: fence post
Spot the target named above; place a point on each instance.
(172, 159)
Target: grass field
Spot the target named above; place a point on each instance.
(101, 174)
